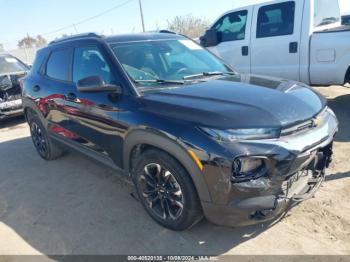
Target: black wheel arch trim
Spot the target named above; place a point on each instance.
(166, 144)
(30, 109)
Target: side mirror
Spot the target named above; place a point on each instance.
(210, 38)
(93, 84)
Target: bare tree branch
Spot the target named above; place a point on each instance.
(188, 25)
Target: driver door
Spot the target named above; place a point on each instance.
(233, 31)
(92, 117)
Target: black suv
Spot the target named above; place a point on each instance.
(196, 137)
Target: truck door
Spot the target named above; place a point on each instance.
(233, 32)
(276, 39)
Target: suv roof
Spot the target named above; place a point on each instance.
(142, 37)
(73, 37)
(162, 35)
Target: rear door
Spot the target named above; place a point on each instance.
(52, 88)
(233, 31)
(276, 39)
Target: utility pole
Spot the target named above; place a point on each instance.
(142, 20)
(75, 28)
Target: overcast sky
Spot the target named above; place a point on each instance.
(35, 17)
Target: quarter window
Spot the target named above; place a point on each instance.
(58, 65)
(276, 20)
(88, 61)
(231, 27)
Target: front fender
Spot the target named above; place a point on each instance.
(172, 147)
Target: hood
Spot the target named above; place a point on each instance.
(240, 101)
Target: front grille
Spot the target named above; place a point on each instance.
(307, 125)
(294, 180)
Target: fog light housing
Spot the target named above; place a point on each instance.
(248, 168)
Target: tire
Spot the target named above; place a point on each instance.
(45, 147)
(166, 190)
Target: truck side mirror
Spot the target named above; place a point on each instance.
(209, 39)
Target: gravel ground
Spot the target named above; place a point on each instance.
(73, 206)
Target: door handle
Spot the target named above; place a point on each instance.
(36, 88)
(71, 97)
(245, 50)
(293, 47)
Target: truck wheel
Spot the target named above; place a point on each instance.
(45, 147)
(166, 190)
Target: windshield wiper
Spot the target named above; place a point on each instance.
(205, 74)
(161, 81)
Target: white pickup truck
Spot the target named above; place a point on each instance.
(302, 40)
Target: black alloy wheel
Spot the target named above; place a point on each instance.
(166, 190)
(161, 191)
(39, 139)
(45, 147)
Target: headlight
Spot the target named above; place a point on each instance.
(248, 168)
(246, 165)
(331, 112)
(243, 134)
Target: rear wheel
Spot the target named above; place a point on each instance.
(166, 190)
(42, 142)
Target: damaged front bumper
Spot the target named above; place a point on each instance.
(295, 171)
(10, 108)
(10, 94)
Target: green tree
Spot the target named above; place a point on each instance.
(188, 25)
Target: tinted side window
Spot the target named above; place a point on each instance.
(276, 20)
(38, 61)
(231, 27)
(58, 64)
(346, 20)
(88, 61)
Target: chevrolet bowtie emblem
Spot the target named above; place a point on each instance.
(318, 121)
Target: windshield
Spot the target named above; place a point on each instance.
(9, 64)
(326, 12)
(167, 60)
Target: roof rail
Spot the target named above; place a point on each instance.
(164, 31)
(78, 36)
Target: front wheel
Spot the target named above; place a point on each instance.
(166, 190)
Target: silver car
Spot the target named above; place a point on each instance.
(11, 71)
